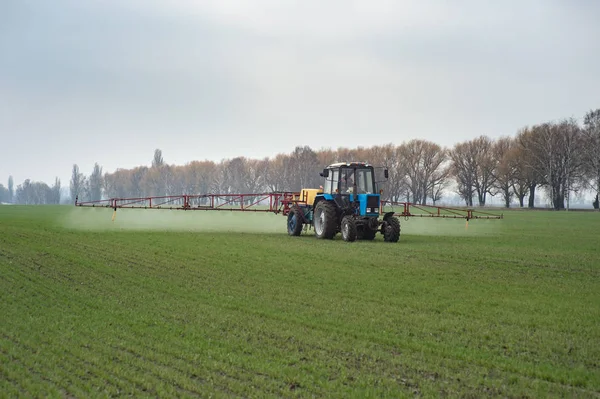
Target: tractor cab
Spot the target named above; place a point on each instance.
(349, 178)
(352, 186)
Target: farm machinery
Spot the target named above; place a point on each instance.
(349, 202)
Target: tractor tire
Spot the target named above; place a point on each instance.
(348, 228)
(391, 232)
(294, 221)
(325, 220)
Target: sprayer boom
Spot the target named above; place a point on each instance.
(276, 202)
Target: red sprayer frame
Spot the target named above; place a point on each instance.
(276, 202)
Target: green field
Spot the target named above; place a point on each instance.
(170, 303)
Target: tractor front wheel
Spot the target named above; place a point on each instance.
(348, 228)
(325, 220)
(391, 229)
(294, 221)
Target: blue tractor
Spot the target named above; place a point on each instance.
(348, 203)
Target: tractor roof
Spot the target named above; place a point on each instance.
(351, 164)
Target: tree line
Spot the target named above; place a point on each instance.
(31, 192)
(561, 158)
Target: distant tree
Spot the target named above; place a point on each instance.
(157, 161)
(591, 152)
(463, 169)
(11, 192)
(23, 193)
(530, 174)
(197, 178)
(424, 165)
(33, 193)
(556, 150)
(95, 183)
(159, 178)
(473, 168)
(505, 153)
(3, 194)
(302, 168)
(220, 180)
(118, 184)
(77, 183)
(387, 156)
(277, 173)
(411, 157)
(520, 180)
(486, 165)
(137, 178)
(55, 192)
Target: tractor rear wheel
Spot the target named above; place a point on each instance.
(348, 228)
(325, 220)
(391, 232)
(294, 221)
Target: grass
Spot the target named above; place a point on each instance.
(174, 307)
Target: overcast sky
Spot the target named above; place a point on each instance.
(109, 81)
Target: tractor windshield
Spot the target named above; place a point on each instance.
(363, 177)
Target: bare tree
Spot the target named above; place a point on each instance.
(110, 184)
(3, 194)
(521, 184)
(463, 169)
(159, 177)
(55, 198)
(591, 152)
(530, 170)
(33, 193)
(137, 178)
(434, 174)
(77, 184)
(423, 162)
(277, 173)
(168, 180)
(411, 157)
(158, 160)
(504, 152)
(485, 166)
(386, 156)
(220, 181)
(302, 168)
(11, 192)
(95, 183)
(556, 150)
(473, 168)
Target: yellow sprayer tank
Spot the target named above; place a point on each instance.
(308, 195)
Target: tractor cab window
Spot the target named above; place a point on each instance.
(365, 181)
(330, 185)
(363, 178)
(327, 186)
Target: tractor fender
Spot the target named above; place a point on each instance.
(387, 215)
(320, 198)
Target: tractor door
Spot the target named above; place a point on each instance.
(332, 182)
